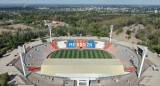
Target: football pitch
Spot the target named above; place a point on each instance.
(81, 54)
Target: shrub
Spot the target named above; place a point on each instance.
(4, 79)
(43, 40)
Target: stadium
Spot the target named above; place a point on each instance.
(81, 60)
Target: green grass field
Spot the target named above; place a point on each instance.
(81, 54)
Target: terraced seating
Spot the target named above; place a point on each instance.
(128, 55)
(129, 69)
(36, 55)
(107, 45)
(100, 44)
(61, 44)
(54, 45)
(48, 49)
(115, 52)
(34, 69)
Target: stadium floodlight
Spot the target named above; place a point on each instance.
(144, 55)
(111, 28)
(24, 49)
(50, 30)
(20, 51)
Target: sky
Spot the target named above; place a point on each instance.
(124, 2)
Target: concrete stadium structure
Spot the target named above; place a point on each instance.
(73, 68)
(124, 62)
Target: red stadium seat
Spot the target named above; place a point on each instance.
(107, 46)
(129, 69)
(54, 46)
(34, 69)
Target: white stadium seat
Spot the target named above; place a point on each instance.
(99, 44)
(61, 44)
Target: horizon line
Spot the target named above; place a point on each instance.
(76, 4)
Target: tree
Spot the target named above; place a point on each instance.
(4, 79)
(128, 32)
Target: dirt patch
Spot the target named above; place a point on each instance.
(22, 26)
(123, 36)
(14, 28)
(5, 30)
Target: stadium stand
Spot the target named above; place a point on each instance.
(130, 69)
(115, 52)
(36, 56)
(54, 45)
(99, 44)
(128, 55)
(107, 45)
(34, 69)
(61, 44)
(48, 49)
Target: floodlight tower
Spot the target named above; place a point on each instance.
(24, 48)
(144, 55)
(20, 51)
(50, 31)
(110, 38)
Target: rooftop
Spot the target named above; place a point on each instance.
(82, 62)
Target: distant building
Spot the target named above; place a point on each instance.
(54, 23)
(42, 8)
(156, 11)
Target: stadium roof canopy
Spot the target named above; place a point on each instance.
(82, 67)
